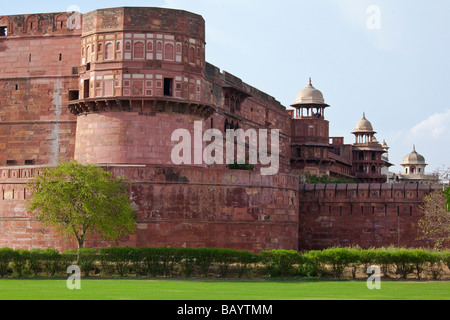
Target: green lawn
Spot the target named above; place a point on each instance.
(221, 290)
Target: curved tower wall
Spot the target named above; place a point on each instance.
(39, 59)
(142, 76)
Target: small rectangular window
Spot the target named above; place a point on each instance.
(11, 162)
(74, 95)
(168, 84)
(3, 31)
(86, 89)
(29, 162)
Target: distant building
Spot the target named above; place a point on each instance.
(414, 165)
(315, 152)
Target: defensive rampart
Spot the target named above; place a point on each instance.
(368, 215)
(185, 207)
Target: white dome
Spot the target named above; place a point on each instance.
(364, 125)
(414, 158)
(310, 95)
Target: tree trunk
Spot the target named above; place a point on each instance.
(80, 246)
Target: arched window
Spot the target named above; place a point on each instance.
(118, 46)
(168, 51)
(139, 50)
(109, 51)
(149, 46)
(128, 46)
(100, 47)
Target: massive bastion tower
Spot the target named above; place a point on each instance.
(109, 87)
(142, 76)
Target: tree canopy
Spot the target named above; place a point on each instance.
(80, 200)
(435, 226)
(447, 194)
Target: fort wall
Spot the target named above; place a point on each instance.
(367, 215)
(184, 207)
(39, 61)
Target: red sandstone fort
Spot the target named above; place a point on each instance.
(109, 87)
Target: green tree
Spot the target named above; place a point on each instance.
(435, 226)
(80, 200)
(447, 194)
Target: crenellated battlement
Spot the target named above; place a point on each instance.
(368, 215)
(366, 192)
(39, 24)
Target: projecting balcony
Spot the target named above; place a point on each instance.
(142, 105)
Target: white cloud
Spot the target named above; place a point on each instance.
(434, 127)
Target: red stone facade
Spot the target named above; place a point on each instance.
(186, 207)
(39, 65)
(111, 86)
(367, 215)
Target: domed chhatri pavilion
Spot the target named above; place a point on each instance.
(414, 165)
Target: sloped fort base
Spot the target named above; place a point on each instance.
(184, 207)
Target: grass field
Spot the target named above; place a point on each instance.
(221, 290)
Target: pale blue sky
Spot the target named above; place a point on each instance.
(398, 75)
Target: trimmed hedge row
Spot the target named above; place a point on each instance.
(207, 262)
